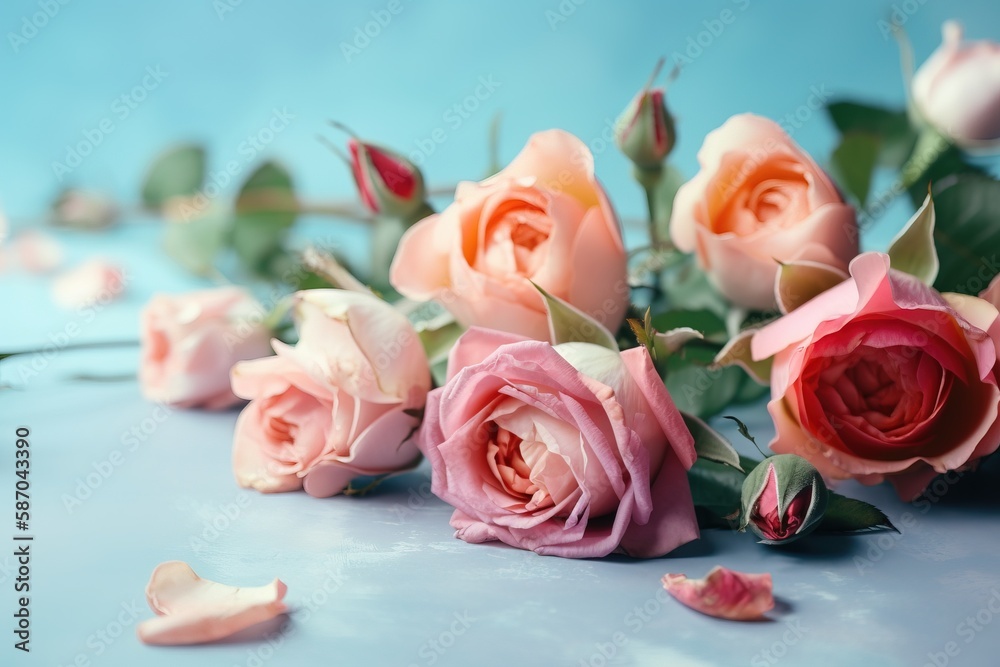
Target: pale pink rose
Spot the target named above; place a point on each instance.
(759, 199)
(192, 610)
(881, 377)
(573, 450)
(724, 593)
(543, 219)
(958, 88)
(341, 404)
(190, 342)
(93, 282)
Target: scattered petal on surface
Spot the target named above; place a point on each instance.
(723, 593)
(192, 610)
(92, 282)
(33, 251)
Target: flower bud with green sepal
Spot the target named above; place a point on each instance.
(784, 498)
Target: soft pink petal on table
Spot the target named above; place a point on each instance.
(192, 610)
(33, 251)
(91, 282)
(723, 593)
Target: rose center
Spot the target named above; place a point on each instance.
(512, 458)
(516, 240)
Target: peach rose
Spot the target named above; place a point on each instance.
(881, 377)
(340, 404)
(571, 450)
(543, 219)
(191, 341)
(758, 200)
(958, 88)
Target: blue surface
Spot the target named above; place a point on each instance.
(380, 579)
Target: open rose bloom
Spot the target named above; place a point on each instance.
(573, 450)
(544, 219)
(759, 199)
(341, 403)
(881, 377)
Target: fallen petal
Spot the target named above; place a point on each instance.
(92, 282)
(192, 610)
(723, 593)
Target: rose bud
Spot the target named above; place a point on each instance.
(645, 130)
(388, 183)
(958, 88)
(784, 498)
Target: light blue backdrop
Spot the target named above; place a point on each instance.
(396, 578)
(227, 64)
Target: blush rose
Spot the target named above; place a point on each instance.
(544, 219)
(342, 403)
(570, 450)
(759, 199)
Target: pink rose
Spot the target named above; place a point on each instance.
(573, 450)
(958, 88)
(758, 200)
(191, 341)
(340, 404)
(881, 377)
(543, 219)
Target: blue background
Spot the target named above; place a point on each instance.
(400, 577)
(228, 70)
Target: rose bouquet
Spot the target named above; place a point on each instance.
(562, 387)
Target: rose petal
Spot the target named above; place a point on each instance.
(723, 593)
(87, 284)
(192, 610)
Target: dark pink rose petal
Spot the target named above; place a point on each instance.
(192, 610)
(723, 593)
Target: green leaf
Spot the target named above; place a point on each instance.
(750, 391)
(438, 341)
(801, 281)
(195, 244)
(717, 488)
(847, 515)
(737, 353)
(967, 210)
(896, 136)
(179, 171)
(567, 324)
(934, 159)
(709, 443)
(913, 251)
(705, 321)
(701, 390)
(853, 162)
(265, 208)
